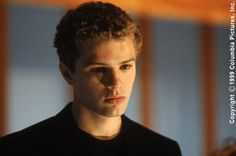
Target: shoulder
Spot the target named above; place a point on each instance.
(145, 138)
(31, 133)
(42, 133)
(135, 129)
(30, 139)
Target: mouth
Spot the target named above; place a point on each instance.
(115, 100)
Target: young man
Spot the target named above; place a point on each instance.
(97, 44)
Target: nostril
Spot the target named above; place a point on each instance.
(114, 87)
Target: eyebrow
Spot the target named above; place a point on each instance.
(99, 63)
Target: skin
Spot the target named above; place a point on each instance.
(103, 72)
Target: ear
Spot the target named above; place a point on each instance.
(66, 73)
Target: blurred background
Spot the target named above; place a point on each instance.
(181, 89)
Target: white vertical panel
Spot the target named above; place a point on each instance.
(36, 88)
(177, 84)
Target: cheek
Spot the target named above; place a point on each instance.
(131, 76)
(129, 81)
(89, 86)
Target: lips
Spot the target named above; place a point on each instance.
(115, 100)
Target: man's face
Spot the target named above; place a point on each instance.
(104, 76)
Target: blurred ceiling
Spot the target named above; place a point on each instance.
(204, 11)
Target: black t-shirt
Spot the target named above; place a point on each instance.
(97, 147)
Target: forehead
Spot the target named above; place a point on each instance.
(109, 52)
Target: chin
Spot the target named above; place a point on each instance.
(116, 113)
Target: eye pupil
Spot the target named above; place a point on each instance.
(125, 66)
(99, 70)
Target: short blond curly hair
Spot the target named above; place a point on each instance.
(92, 20)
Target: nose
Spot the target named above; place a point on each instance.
(114, 80)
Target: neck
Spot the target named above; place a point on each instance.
(100, 127)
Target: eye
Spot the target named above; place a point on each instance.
(99, 70)
(125, 66)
